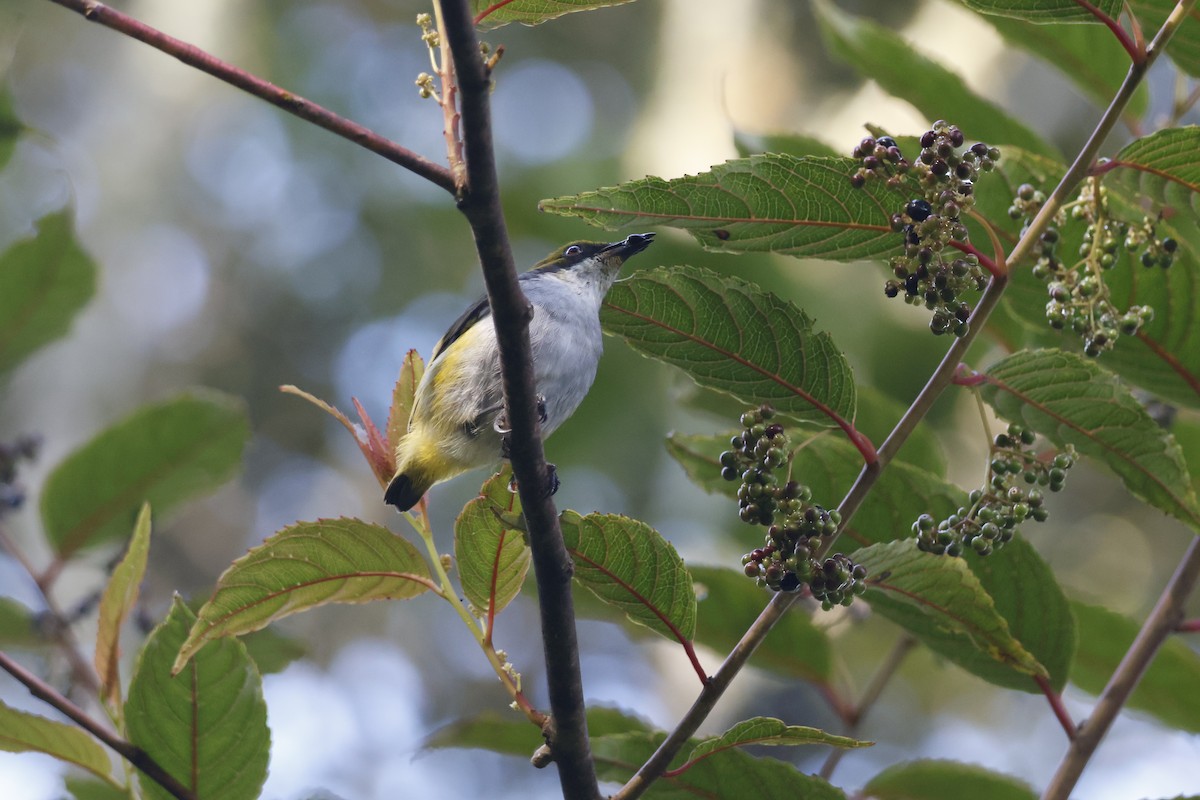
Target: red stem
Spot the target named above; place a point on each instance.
(1136, 54)
(1189, 626)
(1056, 704)
(488, 11)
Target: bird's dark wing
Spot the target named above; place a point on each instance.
(480, 310)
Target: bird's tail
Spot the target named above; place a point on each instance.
(420, 463)
(406, 490)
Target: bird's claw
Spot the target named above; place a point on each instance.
(552, 481)
(501, 424)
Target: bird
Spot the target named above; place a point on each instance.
(457, 421)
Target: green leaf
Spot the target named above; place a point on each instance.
(726, 775)
(729, 602)
(11, 126)
(28, 733)
(731, 336)
(404, 396)
(792, 144)
(1162, 166)
(1184, 47)
(119, 599)
(1045, 10)
(941, 602)
(207, 727)
(18, 625)
(511, 735)
(629, 565)
(44, 282)
(945, 780)
(271, 651)
(163, 455)
(306, 565)
(1074, 401)
(89, 789)
(775, 203)
(493, 558)
(934, 90)
(769, 731)
(1028, 597)
(1105, 637)
(531, 12)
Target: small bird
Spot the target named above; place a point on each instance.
(457, 421)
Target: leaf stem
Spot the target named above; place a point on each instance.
(1189, 626)
(1056, 703)
(1136, 54)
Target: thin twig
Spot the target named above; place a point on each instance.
(130, 752)
(1056, 704)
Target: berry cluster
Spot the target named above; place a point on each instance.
(1079, 297)
(945, 174)
(12, 493)
(996, 511)
(796, 526)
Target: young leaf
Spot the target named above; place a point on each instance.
(44, 282)
(1045, 10)
(628, 564)
(492, 558)
(945, 780)
(731, 336)
(28, 733)
(376, 449)
(119, 598)
(934, 90)
(774, 203)
(769, 731)
(207, 727)
(728, 602)
(11, 127)
(723, 776)
(163, 454)
(1074, 401)
(1105, 636)
(303, 566)
(403, 397)
(941, 602)
(492, 14)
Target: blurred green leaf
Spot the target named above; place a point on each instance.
(729, 602)
(935, 91)
(531, 12)
(792, 144)
(89, 789)
(18, 625)
(1105, 637)
(44, 282)
(769, 731)
(164, 454)
(206, 727)
(1045, 10)
(628, 564)
(11, 126)
(1071, 400)
(28, 733)
(271, 650)
(1184, 47)
(304, 566)
(775, 203)
(729, 335)
(403, 397)
(941, 602)
(118, 600)
(492, 558)
(514, 736)
(945, 780)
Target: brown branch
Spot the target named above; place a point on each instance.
(130, 752)
(291, 103)
(511, 313)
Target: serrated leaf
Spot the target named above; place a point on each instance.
(769, 731)
(118, 600)
(724, 776)
(941, 602)
(777, 203)
(945, 780)
(163, 454)
(731, 336)
(1105, 637)
(1074, 401)
(28, 733)
(207, 726)
(18, 625)
(490, 14)
(493, 558)
(44, 282)
(11, 126)
(729, 602)
(629, 565)
(1184, 47)
(403, 397)
(934, 90)
(511, 735)
(306, 565)
(1045, 10)
(1162, 166)
(380, 455)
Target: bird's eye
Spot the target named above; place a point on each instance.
(573, 250)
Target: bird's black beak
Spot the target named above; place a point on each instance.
(630, 246)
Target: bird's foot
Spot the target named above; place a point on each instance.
(501, 425)
(552, 481)
(541, 409)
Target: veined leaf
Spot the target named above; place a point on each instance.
(945, 780)
(492, 558)
(941, 602)
(1045, 10)
(511, 735)
(44, 282)
(491, 14)
(119, 598)
(1105, 636)
(1074, 401)
(28, 733)
(934, 90)
(628, 564)
(403, 397)
(163, 454)
(303, 566)
(208, 726)
(1162, 166)
(775, 203)
(731, 336)
(769, 731)
(1184, 48)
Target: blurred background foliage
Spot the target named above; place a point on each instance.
(241, 249)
